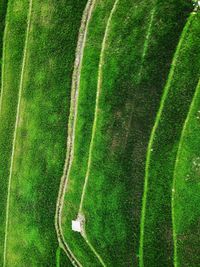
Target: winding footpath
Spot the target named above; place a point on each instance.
(71, 130)
(99, 85)
(16, 126)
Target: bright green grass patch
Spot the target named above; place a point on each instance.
(85, 117)
(13, 50)
(186, 195)
(136, 62)
(156, 227)
(42, 128)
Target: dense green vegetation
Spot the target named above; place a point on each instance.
(156, 246)
(186, 193)
(39, 150)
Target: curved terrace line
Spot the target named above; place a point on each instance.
(71, 129)
(3, 61)
(16, 126)
(150, 145)
(145, 48)
(174, 176)
(99, 85)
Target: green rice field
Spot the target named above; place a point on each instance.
(99, 133)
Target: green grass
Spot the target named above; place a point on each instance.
(85, 116)
(127, 106)
(42, 129)
(186, 195)
(156, 226)
(12, 58)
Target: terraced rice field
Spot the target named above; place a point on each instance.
(99, 128)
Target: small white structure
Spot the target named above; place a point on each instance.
(76, 226)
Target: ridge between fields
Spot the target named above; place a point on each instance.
(145, 47)
(16, 125)
(175, 167)
(149, 149)
(99, 84)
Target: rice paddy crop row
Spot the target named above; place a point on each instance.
(186, 190)
(40, 143)
(156, 248)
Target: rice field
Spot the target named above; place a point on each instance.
(99, 133)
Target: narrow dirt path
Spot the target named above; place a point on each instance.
(16, 126)
(99, 85)
(71, 129)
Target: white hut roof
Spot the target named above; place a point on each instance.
(76, 226)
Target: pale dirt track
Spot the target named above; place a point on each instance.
(71, 129)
